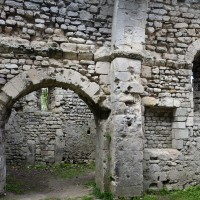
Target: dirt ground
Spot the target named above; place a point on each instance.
(34, 184)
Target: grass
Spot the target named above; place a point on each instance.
(97, 193)
(51, 199)
(62, 171)
(77, 198)
(67, 171)
(87, 198)
(192, 193)
(15, 186)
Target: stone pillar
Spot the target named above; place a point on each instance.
(127, 137)
(128, 38)
(103, 141)
(129, 21)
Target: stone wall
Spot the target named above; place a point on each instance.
(158, 128)
(56, 33)
(172, 44)
(163, 168)
(57, 44)
(86, 20)
(66, 132)
(145, 63)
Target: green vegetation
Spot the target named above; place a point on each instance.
(53, 199)
(105, 196)
(192, 193)
(87, 198)
(67, 171)
(108, 137)
(63, 171)
(44, 99)
(78, 198)
(15, 186)
(98, 194)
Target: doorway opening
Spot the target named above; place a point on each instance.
(50, 139)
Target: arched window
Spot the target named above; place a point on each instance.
(196, 82)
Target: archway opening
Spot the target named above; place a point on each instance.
(41, 116)
(90, 92)
(196, 83)
(50, 130)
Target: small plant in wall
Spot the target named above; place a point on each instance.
(109, 158)
(111, 178)
(108, 137)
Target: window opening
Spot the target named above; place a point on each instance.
(44, 99)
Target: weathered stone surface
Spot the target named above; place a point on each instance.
(153, 49)
(102, 68)
(33, 76)
(177, 144)
(161, 135)
(149, 101)
(146, 72)
(14, 3)
(180, 133)
(69, 47)
(102, 54)
(169, 102)
(10, 90)
(136, 87)
(32, 6)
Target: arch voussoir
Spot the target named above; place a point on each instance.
(67, 78)
(4, 98)
(192, 50)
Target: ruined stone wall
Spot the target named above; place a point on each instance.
(53, 34)
(85, 20)
(67, 132)
(56, 44)
(158, 128)
(48, 48)
(171, 31)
